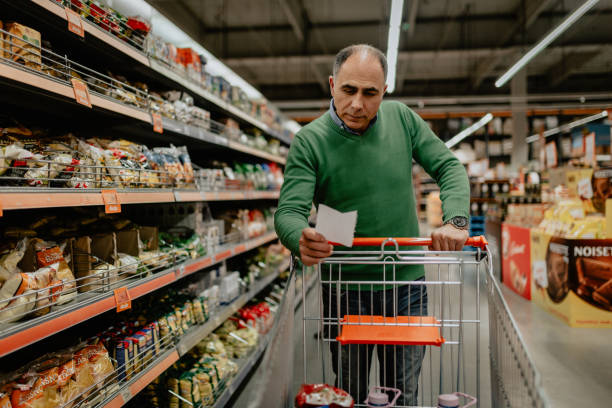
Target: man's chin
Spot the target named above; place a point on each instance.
(355, 125)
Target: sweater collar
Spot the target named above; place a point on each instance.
(342, 125)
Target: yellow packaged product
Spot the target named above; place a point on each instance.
(23, 45)
(592, 227)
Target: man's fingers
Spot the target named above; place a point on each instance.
(317, 246)
(313, 235)
(444, 244)
(435, 242)
(314, 253)
(309, 261)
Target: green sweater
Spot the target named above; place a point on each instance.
(370, 173)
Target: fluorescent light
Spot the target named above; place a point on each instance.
(568, 126)
(169, 32)
(395, 19)
(468, 131)
(544, 42)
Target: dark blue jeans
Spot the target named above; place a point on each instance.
(400, 366)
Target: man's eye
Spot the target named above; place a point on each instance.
(349, 91)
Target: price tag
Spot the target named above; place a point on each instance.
(112, 205)
(81, 92)
(122, 299)
(158, 125)
(75, 23)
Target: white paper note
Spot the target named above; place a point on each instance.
(336, 226)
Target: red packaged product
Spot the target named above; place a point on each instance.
(317, 395)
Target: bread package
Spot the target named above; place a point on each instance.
(23, 45)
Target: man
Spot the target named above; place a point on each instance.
(358, 156)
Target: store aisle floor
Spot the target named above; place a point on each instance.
(431, 361)
(574, 373)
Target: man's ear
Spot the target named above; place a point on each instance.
(385, 90)
(331, 83)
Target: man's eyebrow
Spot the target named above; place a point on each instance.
(348, 86)
(371, 89)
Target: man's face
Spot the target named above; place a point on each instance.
(358, 89)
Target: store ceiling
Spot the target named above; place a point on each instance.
(451, 51)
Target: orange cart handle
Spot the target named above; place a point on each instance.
(478, 242)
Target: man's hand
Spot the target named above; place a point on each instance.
(313, 247)
(448, 238)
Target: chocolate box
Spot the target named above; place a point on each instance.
(572, 279)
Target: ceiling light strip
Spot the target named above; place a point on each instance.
(568, 126)
(544, 42)
(468, 131)
(395, 19)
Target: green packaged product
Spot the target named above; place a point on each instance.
(198, 311)
(190, 391)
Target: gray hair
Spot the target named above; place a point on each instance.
(346, 52)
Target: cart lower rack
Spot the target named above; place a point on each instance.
(401, 326)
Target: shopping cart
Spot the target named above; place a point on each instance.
(421, 337)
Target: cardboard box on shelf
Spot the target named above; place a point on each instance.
(572, 279)
(516, 259)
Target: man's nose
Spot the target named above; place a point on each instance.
(357, 103)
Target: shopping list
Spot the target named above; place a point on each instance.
(336, 226)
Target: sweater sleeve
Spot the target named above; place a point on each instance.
(442, 165)
(296, 195)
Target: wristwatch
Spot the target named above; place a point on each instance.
(458, 222)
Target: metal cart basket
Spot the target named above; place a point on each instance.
(417, 338)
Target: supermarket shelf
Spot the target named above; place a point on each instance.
(46, 83)
(256, 152)
(22, 334)
(163, 69)
(20, 198)
(142, 379)
(204, 135)
(115, 44)
(189, 340)
(97, 32)
(245, 368)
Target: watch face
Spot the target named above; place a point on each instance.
(459, 221)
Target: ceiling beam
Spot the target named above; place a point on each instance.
(294, 12)
(533, 11)
(570, 64)
(323, 82)
(471, 18)
(414, 10)
(402, 56)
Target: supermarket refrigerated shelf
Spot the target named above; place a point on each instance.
(16, 336)
(115, 44)
(21, 198)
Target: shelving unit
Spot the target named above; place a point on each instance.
(29, 89)
(131, 388)
(53, 14)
